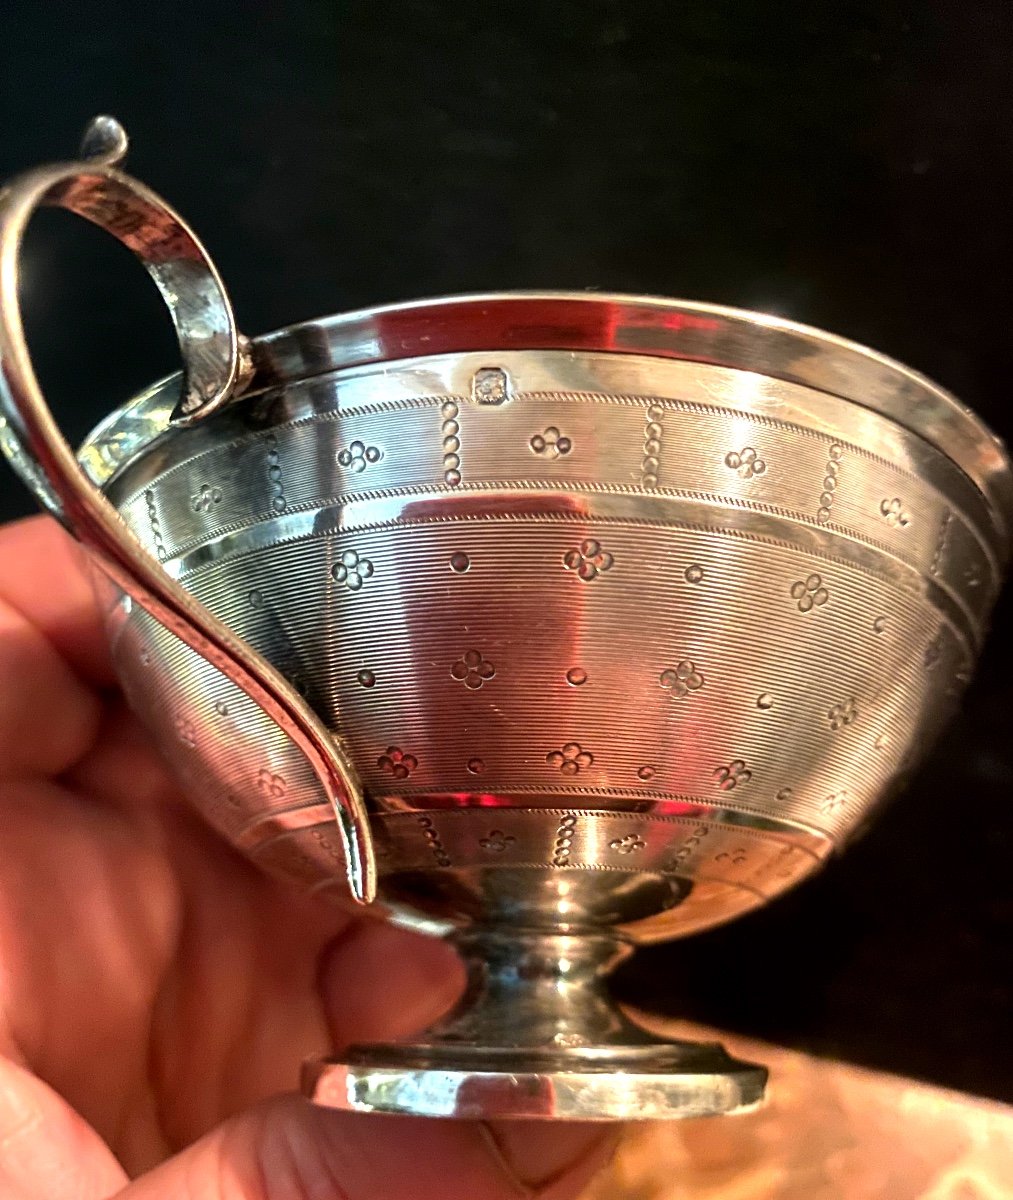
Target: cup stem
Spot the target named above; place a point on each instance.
(538, 989)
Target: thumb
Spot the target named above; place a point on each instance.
(289, 1149)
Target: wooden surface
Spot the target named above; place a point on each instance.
(829, 1132)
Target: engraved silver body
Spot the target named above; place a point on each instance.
(619, 643)
(579, 621)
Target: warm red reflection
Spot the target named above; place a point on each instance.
(437, 800)
(533, 323)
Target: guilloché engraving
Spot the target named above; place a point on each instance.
(550, 443)
(155, 525)
(732, 776)
(831, 472)
(688, 848)
(628, 844)
(357, 456)
(271, 784)
(351, 570)
(278, 501)
(497, 841)
(681, 680)
(571, 760)
(842, 714)
(397, 763)
(564, 840)
(473, 670)
(450, 430)
(650, 463)
(589, 561)
(745, 462)
(834, 801)
(735, 857)
(186, 731)
(205, 498)
(809, 593)
(892, 511)
(432, 836)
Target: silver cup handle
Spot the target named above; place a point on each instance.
(217, 366)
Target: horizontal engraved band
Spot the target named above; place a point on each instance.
(867, 480)
(689, 390)
(821, 543)
(710, 844)
(664, 330)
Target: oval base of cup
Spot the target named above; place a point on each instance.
(536, 1034)
(664, 1081)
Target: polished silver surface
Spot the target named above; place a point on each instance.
(623, 613)
(580, 1058)
(773, 348)
(617, 643)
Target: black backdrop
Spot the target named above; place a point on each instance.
(846, 164)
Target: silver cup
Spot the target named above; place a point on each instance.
(562, 622)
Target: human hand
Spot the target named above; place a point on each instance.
(157, 992)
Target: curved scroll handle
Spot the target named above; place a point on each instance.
(217, 367)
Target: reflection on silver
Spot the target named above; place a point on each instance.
(622, 613)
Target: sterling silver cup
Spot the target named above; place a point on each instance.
(565, 622)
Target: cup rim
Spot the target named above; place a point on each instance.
(695, 331)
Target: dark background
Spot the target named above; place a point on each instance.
(846, 164)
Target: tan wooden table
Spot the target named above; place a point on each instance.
(829, 1132)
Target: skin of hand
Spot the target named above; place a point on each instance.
(157, 992)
